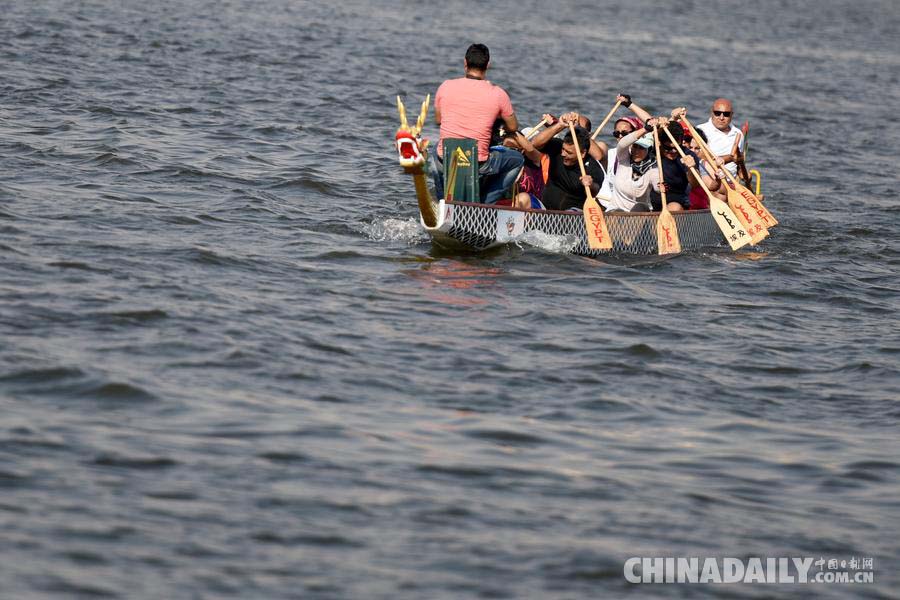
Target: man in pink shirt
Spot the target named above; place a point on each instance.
(467, 108)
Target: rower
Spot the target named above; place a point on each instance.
(565, 184)
(725, 140)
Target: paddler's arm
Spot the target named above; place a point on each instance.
(550, 131)
(598, 151)
(710, 174)
(511, 122)
(743, 173)
(735, 150)
(531, 153)
(630, 104)
(590, 183)
(738, 152)
(735, 156)
(691, 164)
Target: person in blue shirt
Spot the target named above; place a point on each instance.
(676, 171)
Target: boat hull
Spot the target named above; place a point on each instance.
(471, 226)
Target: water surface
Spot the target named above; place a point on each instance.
(233, 366)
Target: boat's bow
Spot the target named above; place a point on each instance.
(412, 154)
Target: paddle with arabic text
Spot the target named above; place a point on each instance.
(728, 223)
(755, 217)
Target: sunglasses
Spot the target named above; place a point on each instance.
(620, 134)
(667, 149)
(722, 113)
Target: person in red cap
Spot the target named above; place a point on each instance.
(688, 136)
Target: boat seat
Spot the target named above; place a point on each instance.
(461, 154)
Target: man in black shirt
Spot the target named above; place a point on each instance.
(565, 185)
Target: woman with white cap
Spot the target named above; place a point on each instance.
(635, 172)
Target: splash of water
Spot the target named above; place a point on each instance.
(556, 244)
(395, 230)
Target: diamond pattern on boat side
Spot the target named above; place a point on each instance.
(475, 226)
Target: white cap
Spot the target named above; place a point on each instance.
(645, 141)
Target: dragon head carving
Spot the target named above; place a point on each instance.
(410, 146)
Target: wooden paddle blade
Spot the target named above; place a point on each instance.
(758, 208)
(750, 220)
(667, 233)
(595, 225)
(667, 241)
(728, 223)
(763, 212)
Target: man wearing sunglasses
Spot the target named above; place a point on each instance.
(725, 139)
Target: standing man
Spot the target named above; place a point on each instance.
(467, 108)
(725, 140)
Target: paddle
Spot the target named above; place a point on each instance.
(742, 200)
(451, 178)
(742, 155)
(594, 221)
(745, 129)
(534, 130)
(755, 217)
(606, 120)
(728, 223)
(666, 231)
(745, 174)
(751, 222)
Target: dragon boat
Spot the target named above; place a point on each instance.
(472, 226)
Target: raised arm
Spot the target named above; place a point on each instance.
(554, 126)
(626, 142)
(598, 151)
(528, 149)
(628, 103)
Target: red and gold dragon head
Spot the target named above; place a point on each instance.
(410, 146)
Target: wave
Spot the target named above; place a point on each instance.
(395, 230)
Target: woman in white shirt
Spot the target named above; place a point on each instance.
(634, 172)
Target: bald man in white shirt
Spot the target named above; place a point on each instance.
(725, 140)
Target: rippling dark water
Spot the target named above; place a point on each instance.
(232, 365)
